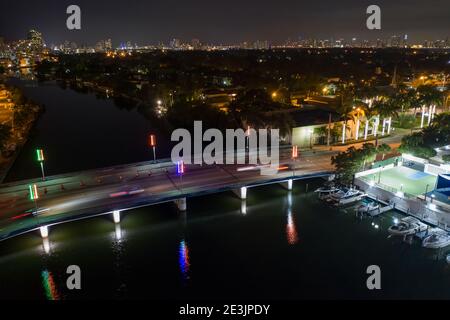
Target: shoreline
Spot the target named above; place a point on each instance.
(35, 112)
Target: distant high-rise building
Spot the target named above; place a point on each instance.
(103, 45)
(35, 39)
(196, 44)
(175, 43)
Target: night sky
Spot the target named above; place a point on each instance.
(223, 22)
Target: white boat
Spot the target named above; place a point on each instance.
(407, 226)
(371, 208)
(345, 196)
(436, 239)
(326, 191)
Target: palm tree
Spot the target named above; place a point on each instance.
(428, 96)
(405, 98)
(386, 109)
(345, 107)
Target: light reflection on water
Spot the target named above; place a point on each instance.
(118, 249)
(291, 229)
(125, 253)
(51, 292)
(183, 260)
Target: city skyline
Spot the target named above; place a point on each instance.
(153, 23)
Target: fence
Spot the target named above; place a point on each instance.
(374, 170)
(411, 205)
(436, 170)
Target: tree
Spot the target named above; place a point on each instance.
(352, 160)
(5, 134)
(367, 153)
(404, 99)
(346, 104)
(428, 95)
(446, 157)
(322, 133)
(383, 149)
(256, 108)
(414, 144)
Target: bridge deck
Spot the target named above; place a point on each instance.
(75, 196)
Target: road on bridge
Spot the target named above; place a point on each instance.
(88, 193)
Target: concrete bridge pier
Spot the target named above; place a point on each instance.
(44, 232)
(181, 204)
(288, 184)
(241, 193)
(116, 216)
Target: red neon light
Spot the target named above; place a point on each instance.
(152, 140)
(294, 152)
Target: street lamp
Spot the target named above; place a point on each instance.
(180, 168)
(247, 138)
(40, 159)
(34, 195)
(152, 143)
(426, 191)
(294, 155)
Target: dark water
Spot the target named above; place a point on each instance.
(275, 251)
(283, 247)
(80, 131)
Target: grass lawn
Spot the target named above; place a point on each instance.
(414, 182)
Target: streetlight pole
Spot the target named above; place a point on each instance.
(34, 196)
(294, 155)
(180, 169)
(426, 191)
(152, 143)
(247, 138)
(40, 159)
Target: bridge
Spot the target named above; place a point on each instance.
(112, 190)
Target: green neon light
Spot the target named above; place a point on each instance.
(31, 192)
(40, 155)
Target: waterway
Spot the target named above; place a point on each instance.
(277, 245)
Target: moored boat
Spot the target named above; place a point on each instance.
(436, 239)
(407, 226)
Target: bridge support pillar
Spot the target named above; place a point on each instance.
(288, 184)
(241, 193)
(116, 216)
(44, 231)
(181, 204)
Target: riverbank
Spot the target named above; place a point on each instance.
(20, 116)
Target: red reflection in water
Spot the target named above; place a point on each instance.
(291, 231)
(49, 285)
